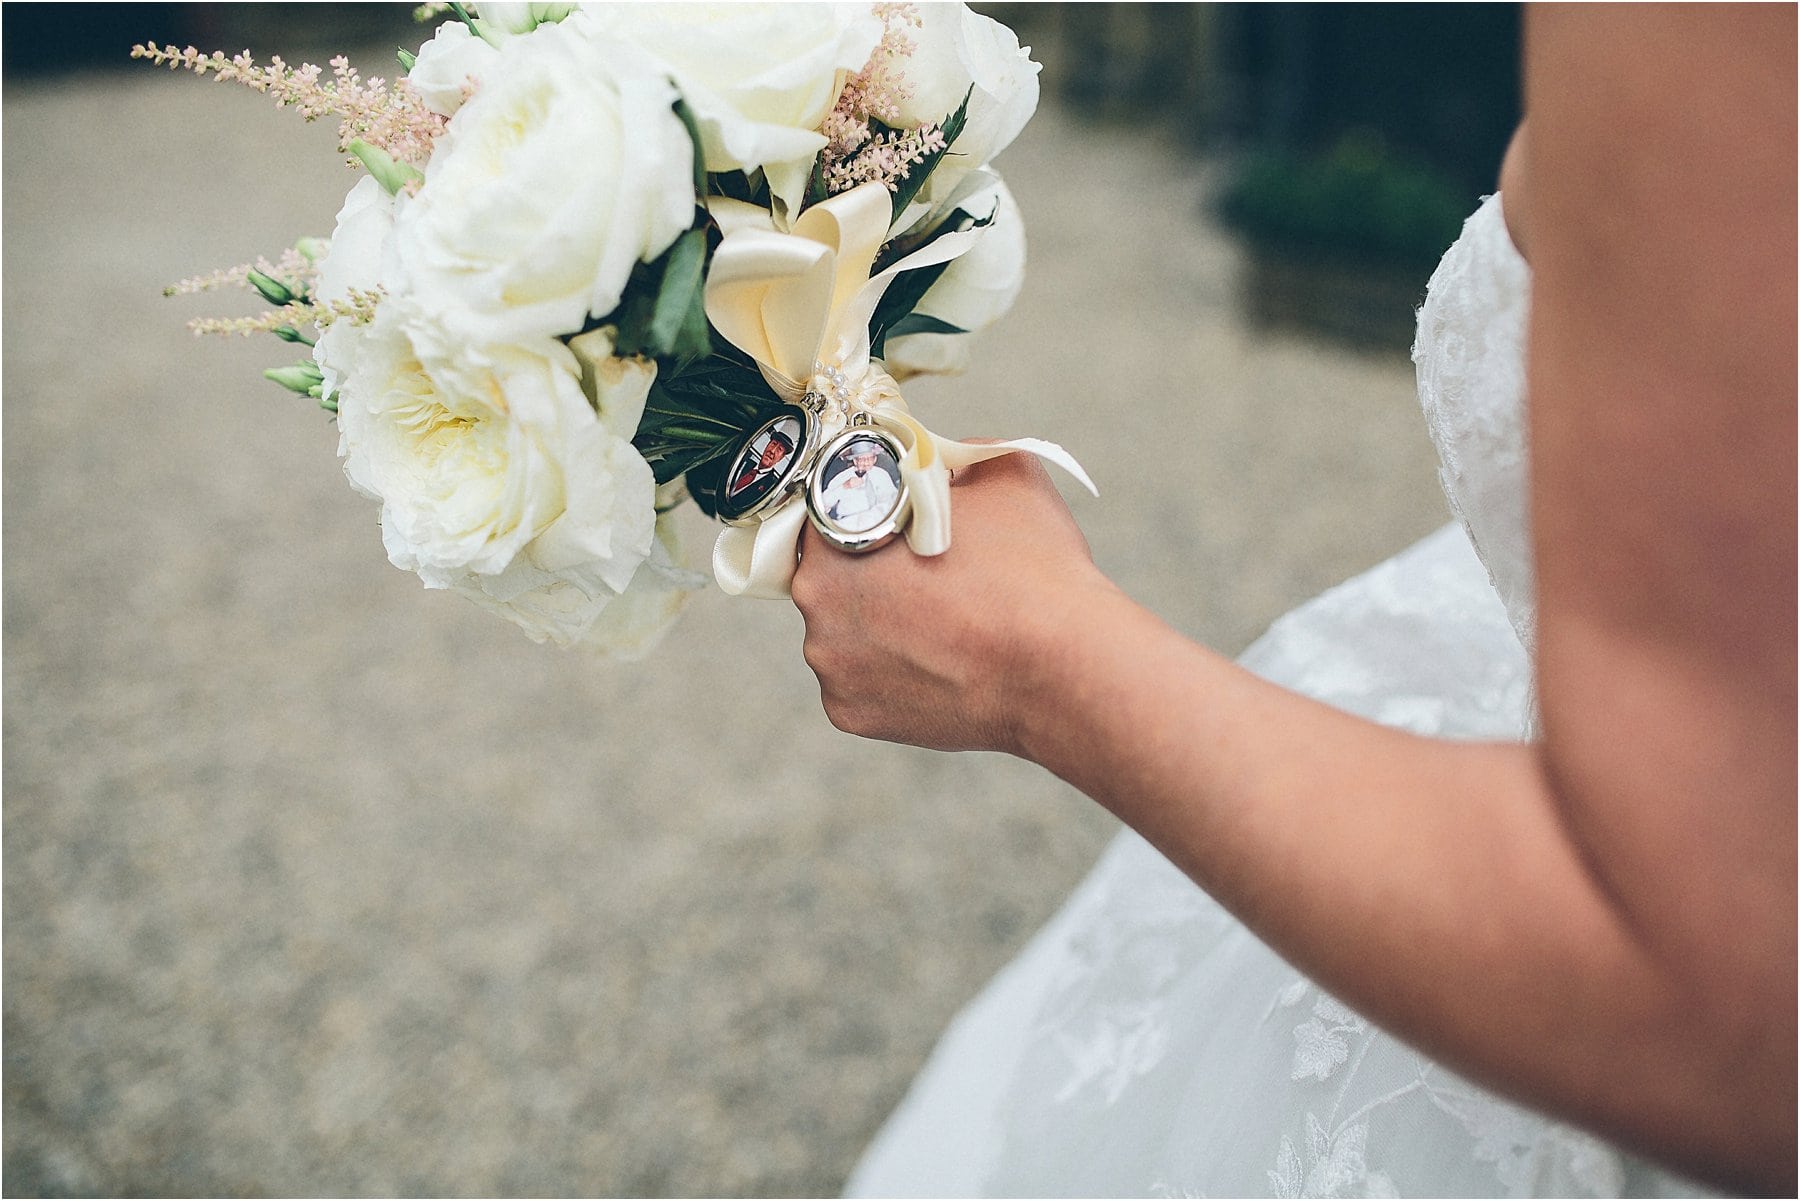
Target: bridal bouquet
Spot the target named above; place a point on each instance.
(608, 259)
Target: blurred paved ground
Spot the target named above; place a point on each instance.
(316, 883)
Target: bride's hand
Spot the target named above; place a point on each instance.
(940, 652)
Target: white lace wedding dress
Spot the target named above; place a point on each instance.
(1145, 1043)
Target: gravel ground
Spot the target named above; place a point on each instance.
(319, 884)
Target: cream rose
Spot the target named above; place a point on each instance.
(359, 247)
(447, 67)
(760, 78)
(953, 49)
(497, 479)
(975, 290)
(632, 625)
(566, 169)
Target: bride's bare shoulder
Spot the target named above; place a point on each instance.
(1515, 191)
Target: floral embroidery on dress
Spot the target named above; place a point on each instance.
(1115, 1051)
(1531, 1156)
(1321, 1045)
(1334, 1165)
(1106, 1013)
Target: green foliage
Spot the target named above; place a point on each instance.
(664, 313)
(1359, 202)
(922, 323)
(678, 319)
(696, 411)
(686, 116)
(707, 393)
(894, 316)
(953, 127)
(738, 186)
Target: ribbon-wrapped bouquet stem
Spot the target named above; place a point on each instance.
(605, 259)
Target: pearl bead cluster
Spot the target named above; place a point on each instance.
(831, 381)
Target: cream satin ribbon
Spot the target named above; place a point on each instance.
(799, 303)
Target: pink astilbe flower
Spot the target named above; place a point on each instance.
(392, 118)
(358, 308)
(885, 159)
(856, 154)
(293, 269)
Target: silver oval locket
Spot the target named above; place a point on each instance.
(766, 465)
(854, 494)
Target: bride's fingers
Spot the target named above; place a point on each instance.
(1018, 465)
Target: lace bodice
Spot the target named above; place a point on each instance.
(1470, 356)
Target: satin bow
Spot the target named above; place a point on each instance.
(799, 304)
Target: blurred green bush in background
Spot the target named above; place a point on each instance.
(1358, 202)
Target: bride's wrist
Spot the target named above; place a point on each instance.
(1048, 682)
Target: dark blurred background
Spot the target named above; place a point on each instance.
(1355, 137)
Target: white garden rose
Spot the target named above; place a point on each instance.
(359, 248)
(760, 78)
(496, 477)
(566, 169)
(447, 67)
(633, 624)
(616, 386)
(976, 289)
(955, 48)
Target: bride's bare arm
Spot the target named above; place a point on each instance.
(1601, 924)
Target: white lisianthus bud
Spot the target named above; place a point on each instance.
(301, 378)
(497, 21)
(566, 169)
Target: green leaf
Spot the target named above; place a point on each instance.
(959, 220)
(407, 59)
(696, 412)
(898, 302)
(905, 293)
(678, 321)
(692, 125)
(737, 186)
(922, 323)
(915, 179)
